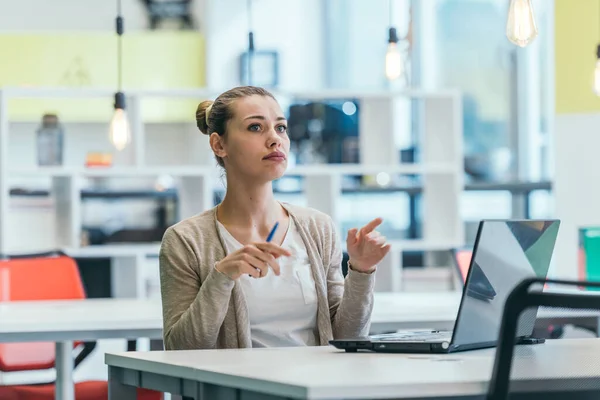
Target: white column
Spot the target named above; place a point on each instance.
(426, 20)
(323, 193)
(376, 131)
(196, 194)
(442, 145)
(529, 108)
(575, 187)
(389, 272)
(138, 134)
(128, 276)
(549, 102)
(4, 186)
(67, 202)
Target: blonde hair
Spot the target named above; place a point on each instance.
(208, 112)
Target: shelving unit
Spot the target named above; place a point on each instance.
(441, 169)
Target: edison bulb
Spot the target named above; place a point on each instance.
(597, 78)
(393, 62)
(520, 27)
(120, 135)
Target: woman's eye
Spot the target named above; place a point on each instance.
(254, 128)
(282, 129)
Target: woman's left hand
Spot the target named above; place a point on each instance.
(366, 247)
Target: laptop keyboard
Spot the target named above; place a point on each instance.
(421, 336)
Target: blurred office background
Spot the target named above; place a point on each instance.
(325, 61)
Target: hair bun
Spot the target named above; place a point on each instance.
(202, 114)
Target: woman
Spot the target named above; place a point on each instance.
(224, 285)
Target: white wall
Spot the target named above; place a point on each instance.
(292, 27)
(576, 189)
(74, 15)
(358, 44)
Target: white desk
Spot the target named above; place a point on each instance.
(93, 319)
(66, 321)
(327, 373)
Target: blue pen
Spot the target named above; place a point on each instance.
(272, 233)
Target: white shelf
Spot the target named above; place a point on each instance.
(200, 93)
(55, 93)
(367, 94)
(152, 249)
(384, 117)
(304, 170)
(114, 172)
(79, 93)
(361, 169)
(423, 245)
(115, 250)
(416, 245)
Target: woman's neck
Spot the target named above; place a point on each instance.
(249, 205)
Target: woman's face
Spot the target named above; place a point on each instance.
(256, 144)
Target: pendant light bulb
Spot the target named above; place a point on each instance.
(597, 72)
(119, 133)
(520, 26)
(393, 59)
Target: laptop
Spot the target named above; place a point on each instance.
(504, 253)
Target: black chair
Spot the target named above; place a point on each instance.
(518, 301)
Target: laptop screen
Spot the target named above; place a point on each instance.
(505, 253)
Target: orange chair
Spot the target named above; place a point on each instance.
(45, 276)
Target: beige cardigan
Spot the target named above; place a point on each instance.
(205, 309)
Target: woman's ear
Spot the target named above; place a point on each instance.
(217, 145)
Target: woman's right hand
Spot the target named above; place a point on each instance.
(252, 259)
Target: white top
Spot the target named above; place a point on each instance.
(282, 309)
(322, 372)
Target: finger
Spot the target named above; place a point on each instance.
(371, 226)
(258, 264)
(274, 249)
(265, 257)
(248, 269)
(352, 237)
(373, 235)
(370, 237)
(268, 259)
(378, 241)
(385, 249)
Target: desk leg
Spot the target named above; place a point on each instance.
(117, 390)
(65, 386)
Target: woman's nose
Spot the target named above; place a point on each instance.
(274, 138)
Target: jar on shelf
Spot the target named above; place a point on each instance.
(50, 141)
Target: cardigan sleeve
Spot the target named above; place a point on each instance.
(193, 311)
(350, 299)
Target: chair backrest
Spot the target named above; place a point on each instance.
(37, 277)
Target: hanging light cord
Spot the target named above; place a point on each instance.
(598, 47)
(392, 35)
(250, 41)
(250, 32)
(119, 28)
